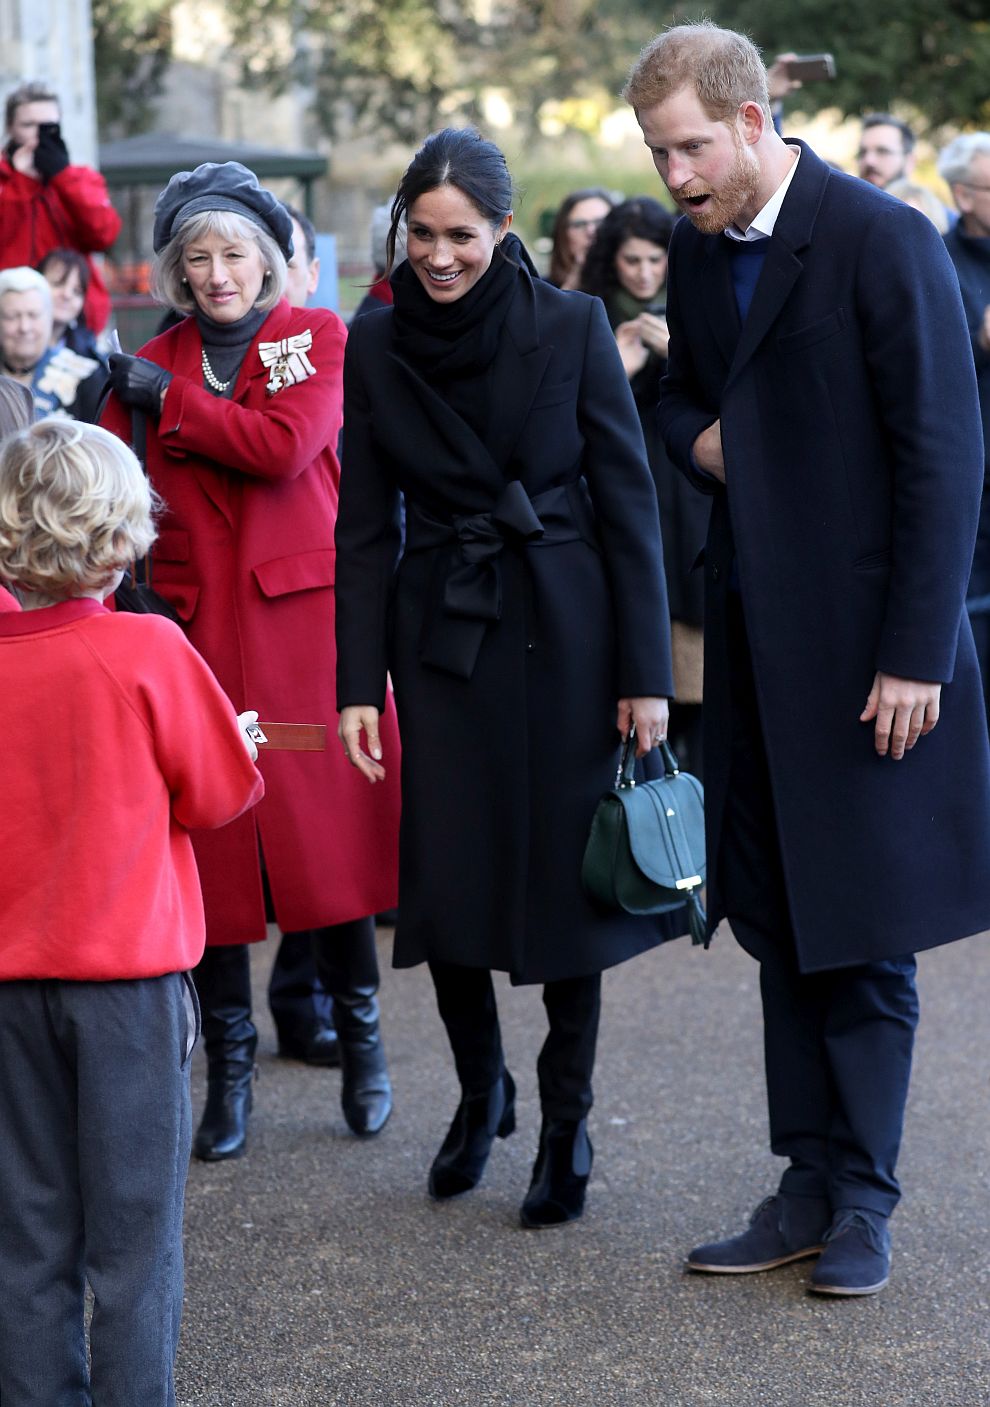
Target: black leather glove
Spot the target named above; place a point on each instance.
(138, 382)
(51, 155)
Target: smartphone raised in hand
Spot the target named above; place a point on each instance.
(49, 131)
(810, 68)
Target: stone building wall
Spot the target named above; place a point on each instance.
(51, 41)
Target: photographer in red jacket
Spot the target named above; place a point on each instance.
(44, 202)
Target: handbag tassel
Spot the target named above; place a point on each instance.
(697, 921)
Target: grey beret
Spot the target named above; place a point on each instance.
(217, 185)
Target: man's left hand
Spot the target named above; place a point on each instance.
(707, 451)
(904, 709)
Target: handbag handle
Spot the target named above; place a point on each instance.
(625, 776)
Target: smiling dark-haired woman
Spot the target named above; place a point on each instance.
(525, 629)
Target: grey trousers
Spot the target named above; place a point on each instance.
(95, 1131)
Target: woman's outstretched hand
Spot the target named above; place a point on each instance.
(355, 720)
(650, 717)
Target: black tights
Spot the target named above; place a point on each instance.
(466, 1000)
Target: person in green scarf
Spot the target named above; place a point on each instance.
(626, 268)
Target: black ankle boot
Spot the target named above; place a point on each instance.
(348, 966)
(560, 1174)
(223, 984)
(479, 1120)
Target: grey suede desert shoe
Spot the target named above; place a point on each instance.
(781, 1230)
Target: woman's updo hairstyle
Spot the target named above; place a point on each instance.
(461, 157)
(638, 218)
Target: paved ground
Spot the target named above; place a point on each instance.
(319, 1274)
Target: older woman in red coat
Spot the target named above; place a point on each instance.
(244, 405)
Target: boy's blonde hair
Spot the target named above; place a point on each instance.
(75, 508)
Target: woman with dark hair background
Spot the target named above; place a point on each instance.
(626, 267)
(499, 408)
(68, 276)
(573, 232)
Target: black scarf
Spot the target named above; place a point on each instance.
(459, 339)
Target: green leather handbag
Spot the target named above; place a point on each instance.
(646, 850)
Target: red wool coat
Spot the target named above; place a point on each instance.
(71, 211)
(246, 554)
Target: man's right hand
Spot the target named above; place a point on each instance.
(707, 450)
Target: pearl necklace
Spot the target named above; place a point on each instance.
(210, 377)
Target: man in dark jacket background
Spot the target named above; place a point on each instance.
(964, 165)
(820, 386)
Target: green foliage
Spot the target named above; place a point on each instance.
(132, 47)
(927, 57)
(381, 67)
(402, 67)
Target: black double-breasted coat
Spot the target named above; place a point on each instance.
(854, 464)
(529, 598)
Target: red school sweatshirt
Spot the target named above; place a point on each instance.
(115, 741)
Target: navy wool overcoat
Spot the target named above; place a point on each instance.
(854, 464)
(529, 598)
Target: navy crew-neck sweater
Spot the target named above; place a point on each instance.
(746, 265)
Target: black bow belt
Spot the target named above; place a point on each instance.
(471, 596)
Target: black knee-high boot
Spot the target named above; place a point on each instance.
(223, 984)
(348, 966)
(466, 1000)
